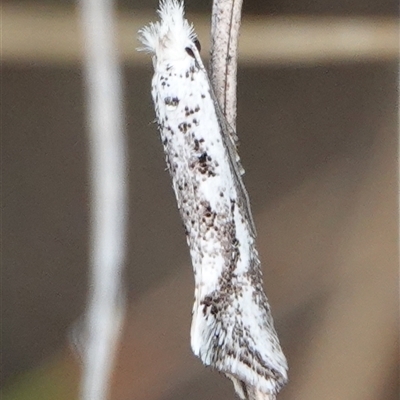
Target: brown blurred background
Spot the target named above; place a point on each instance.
(319, 142)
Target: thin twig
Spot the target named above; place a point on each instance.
(108, 197)
(225, 26)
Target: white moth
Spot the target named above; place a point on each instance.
(232, 327)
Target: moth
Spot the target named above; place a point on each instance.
(232, 327)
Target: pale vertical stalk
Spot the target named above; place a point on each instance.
(225, 26)
(108, 196)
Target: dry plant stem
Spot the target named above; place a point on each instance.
(108, 196)
(225, 26)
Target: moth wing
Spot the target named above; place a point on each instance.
(231, 140)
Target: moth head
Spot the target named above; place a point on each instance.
(172, 38)
(190, 50)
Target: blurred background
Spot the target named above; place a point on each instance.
(318, 123)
